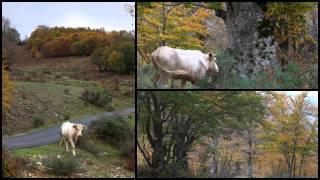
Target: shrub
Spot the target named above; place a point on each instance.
(10, 164)
(100, 97)
(66, 117)
(86, 144)
(34, 50)
(96, 58)
(130, 162)
(114, 130)
(66, 91)
(294, 77)
(37, 122)
(78, 48)
(144, 75)
(115, 62)
(62, 166)
(38, 55)
(119, 58)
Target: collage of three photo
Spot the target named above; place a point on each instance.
(160, 89)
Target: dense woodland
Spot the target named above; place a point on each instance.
(226, 134)
(113, 51)
(260, 45)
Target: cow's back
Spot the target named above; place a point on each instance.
(178, 59)
(66, 128)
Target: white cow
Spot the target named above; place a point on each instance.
(70, 133)
(186, 65)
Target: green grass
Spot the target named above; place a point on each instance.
(101, 166)
(28, 152)
(52, 96)
(50, 102)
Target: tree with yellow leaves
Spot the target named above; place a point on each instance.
(170, 23)
(290, 131)
(7, 85)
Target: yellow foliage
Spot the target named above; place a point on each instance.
(175, 25)
(38, 55)
(34, 51)
(7, 89)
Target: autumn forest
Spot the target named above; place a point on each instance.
(226, 134)
(269, 45)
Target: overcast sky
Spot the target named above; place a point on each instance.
(312, 95)
(25, 17)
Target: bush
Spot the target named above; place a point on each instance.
(78, 48)
(34, 50)
(115, 62)
(119, 58)
(100, 97)
(96, 58)
(144, 75)
(66, 91)
(294, 77)
(86, 144)
(130, 162)
(38, 55)
(64, 166)
(37, 122)
(114, 130)
(10, 164)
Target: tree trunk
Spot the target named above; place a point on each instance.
(249, 170)
(164, 20)
(252, 54)
(158, 159)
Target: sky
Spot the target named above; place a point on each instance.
(312, 95)
(26, 16)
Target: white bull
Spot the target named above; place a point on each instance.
(70, 133)
(186, 65)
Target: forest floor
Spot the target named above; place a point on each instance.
(49, 89)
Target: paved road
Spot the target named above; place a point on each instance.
(51, 135)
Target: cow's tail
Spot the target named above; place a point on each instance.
(175, 74)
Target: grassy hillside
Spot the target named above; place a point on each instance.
(49, 90)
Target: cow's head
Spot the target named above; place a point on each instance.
(212, 63)
(78, 129)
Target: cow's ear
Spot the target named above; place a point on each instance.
(210, 56)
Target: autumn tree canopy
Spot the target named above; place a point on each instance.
(226, 134)
(61, 41)
(171, 24)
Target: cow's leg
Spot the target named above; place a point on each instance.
(66, 144)
(183, 83)
(72, 145)
(163, 79)
(60, 142)
(75, 140)
(172, 83)
(155, 80)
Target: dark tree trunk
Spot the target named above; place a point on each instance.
(250, 155)
(252, 53)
